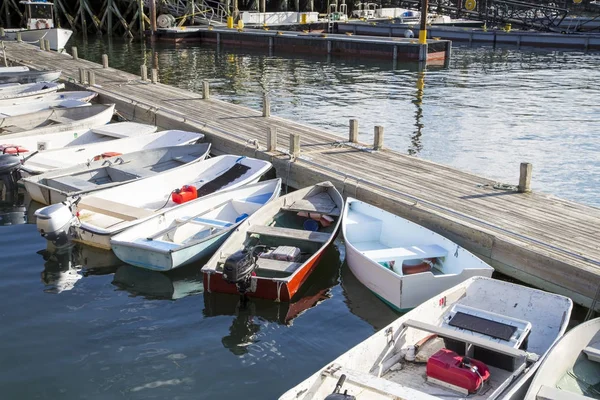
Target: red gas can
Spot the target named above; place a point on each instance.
(449, 369)
(186, 193)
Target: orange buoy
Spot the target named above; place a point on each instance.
(107, 154)
(12, 149)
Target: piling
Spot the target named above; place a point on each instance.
(19, 37)
(2, 32)
(378, 138)
(81, 75)
(91, 77)
(154, 75)
(74, 53)
(47, 45)
(272, 138)
(144, 72)
(205, 90)
(266, 105)
(153, 18)
(42, 45)
(525, 178)
(104, 60)
(294, 145)
(353, 134)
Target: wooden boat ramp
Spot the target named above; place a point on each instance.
(540, 239)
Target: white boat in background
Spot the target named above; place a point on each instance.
(40, 25)
(21, 109)
(18, 91)
(110, 211)
(24, 145)
(84, 179)
(69, 156)
(403, 263)
(482, 339)
(50, 99)
(23, 77)
(13, 69)
(57, 120)
(192, 231)
(571, 371)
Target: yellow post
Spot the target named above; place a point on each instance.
(303, 19)
(423, 36)
(240, 25)
(230, 22)
(423, 24)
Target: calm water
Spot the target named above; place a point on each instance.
(79, 325)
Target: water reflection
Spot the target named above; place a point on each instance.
(415, 140)
(255, 314)
(173, 285)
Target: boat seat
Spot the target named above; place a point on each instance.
(205, 221)
(288, 233)
(277, 266)
(158, 244)
(407, 253)
(133, 170)
(188, 158)
(552, 393)
(71, 184)
(60, 120)
(113, 208)
(593, 352)
(320, 203)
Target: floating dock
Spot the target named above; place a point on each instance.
(534, 237)
(281, 42)
(575, 41)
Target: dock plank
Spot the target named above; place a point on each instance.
(543, 240)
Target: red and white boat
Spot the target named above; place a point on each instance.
(274, 251)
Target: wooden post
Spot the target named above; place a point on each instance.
(378, 139)
(4, 53)
(91, 77)
(47, 45)
(205, 90)
(423, 25)
(1, 32)
(19, 36)
(74, 53)
(141, 16)
(104, 60)
(144, 72)
(525, 178)
(153, 17)
(81, 75)
(266, 105)
(109, 17)
(42, 44)
(272, 139)
(294, 145)
(154, 75)
(353, 135)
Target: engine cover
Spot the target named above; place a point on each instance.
(459, 373)
(53, 222)
(239, 266)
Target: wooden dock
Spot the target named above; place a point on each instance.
(548, 242)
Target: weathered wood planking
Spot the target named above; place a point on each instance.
(542, 240)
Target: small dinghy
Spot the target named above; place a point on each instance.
(192, 231)
(482, 339)
(18, 91)
(571, 371)
(69, 156)
(403, 263)
(110, 211)
(84, 179)
(274, 251)
(57, 120)
(8, 106)
(21, 109)
(4, 70)
(24, 145)
(29, 76)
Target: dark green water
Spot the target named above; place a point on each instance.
(80, 325)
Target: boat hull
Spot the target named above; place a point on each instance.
(57, 37)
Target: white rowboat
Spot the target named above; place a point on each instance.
(57, 120)
(571, 371)
(502, 329)
(29, 77)
(83, 179)
(110, 211)
(4, 70)
(15, 90)
(66, 157)
(36, 100)
(403, 263)
(192, 231)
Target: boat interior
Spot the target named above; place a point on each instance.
(25, 122)
(294, 234)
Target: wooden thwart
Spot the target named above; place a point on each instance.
(266, 264)
(320, 203)
(113, 209)
(287, 233)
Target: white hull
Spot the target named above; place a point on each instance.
(379, 367)
(124, 207)
(73, 155)
(568, 370)
(183, 243)
(29, 90)
(40, 101)
(57, 37)
(24, 77)
(4, 70)
(85, 179)
(373, 235)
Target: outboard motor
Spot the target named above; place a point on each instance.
(10, 174)
(54, 222)
(238, 269)
(336, 395)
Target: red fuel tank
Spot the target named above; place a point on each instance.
(186, 193)
(451, 370)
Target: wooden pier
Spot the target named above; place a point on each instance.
(548, 242)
